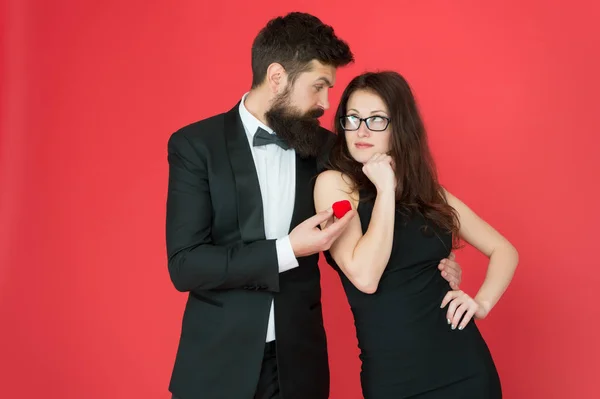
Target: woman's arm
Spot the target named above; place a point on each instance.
(362, 258)
(503, 263)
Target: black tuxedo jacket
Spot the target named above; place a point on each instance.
(217, 252)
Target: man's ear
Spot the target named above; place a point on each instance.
(276, 78)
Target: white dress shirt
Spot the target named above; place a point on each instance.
(276, 169)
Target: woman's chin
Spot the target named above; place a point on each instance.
(360, 156)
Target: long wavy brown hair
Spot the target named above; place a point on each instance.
(417, 189)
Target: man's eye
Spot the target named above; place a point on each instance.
(319, 88)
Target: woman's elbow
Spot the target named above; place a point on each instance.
(362, 279)
(515, 255)
(366, 284)
(508, 252)
(512, 252)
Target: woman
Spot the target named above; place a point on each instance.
(388, 256)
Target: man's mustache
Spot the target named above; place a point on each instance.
(315, 113)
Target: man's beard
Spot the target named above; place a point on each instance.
(302, 132)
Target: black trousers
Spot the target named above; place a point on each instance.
(268, 382)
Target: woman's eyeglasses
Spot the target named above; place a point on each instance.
(375, 123)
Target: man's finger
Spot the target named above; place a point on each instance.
(448, 276)
(451, 267)
(335, 229)
(320, 217)
(339, 225)
(452, 256)
(326, 223)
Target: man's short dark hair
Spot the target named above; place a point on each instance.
(294, 40)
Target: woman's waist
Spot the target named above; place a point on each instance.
(406, 319)
(397, 295)
(405, 323)
(420, 341)
(405, 280)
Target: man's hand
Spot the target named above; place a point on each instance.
(307, 238)
(451, 271)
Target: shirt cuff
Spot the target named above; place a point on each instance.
(285, 254)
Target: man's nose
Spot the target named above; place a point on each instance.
(324, 100)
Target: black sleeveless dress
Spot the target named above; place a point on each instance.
(408, 350)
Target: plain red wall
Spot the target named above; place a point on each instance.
(91, 91)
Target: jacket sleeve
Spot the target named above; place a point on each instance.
(195, 263)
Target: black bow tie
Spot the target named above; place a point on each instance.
(262, 137)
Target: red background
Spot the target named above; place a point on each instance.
(90, 92)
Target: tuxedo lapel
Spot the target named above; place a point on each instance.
(247, 187)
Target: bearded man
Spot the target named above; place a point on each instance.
(242, 235)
